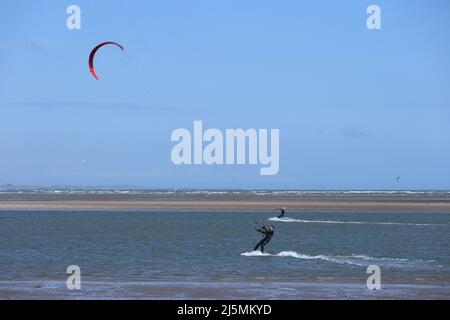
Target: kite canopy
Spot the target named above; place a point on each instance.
(93, 52)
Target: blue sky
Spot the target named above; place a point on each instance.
(355, 107)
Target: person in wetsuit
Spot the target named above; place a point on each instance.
(267, 233)
(283, 211)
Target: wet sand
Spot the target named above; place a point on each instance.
(26, 201)
(94, 289)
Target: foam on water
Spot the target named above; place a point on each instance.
(286, 219)
(354, 259)
(263, 193)
(255, 254)
(297, 255)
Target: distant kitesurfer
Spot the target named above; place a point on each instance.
(267, 233)
(283, 211)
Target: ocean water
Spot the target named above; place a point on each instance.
(216, 248)
(67, 190)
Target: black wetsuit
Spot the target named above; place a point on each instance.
(282, 213)
(267, 236)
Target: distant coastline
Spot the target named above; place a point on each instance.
(192, 199)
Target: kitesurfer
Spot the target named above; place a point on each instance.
(267, 235)
(283, 211)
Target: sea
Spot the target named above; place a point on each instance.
(209, 254)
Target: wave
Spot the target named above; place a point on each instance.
(255, 192)
(285, 219)
(354, 259)
(350, 192)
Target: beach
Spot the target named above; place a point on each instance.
(224, 200)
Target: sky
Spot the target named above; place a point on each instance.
(356, 108)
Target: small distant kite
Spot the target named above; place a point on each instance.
(397, 179)
(92, 55)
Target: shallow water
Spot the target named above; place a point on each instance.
(319, 247)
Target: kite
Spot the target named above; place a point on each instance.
(93, 52)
